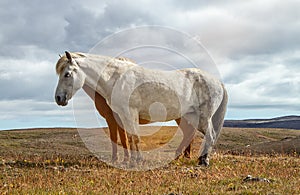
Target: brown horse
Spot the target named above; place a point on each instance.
(114, 128)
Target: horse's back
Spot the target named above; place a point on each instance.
(180, 91)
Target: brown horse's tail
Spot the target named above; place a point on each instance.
(218, 117)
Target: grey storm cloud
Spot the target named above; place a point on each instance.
(85, 31)
(28, 23)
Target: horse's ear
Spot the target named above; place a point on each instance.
(68, 56)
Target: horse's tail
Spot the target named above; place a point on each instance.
(218, 117)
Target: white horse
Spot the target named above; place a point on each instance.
(131, 90)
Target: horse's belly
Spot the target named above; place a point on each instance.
(159, 103)
(158, 113)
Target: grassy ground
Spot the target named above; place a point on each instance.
(55, 161)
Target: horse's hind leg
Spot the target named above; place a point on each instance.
(187, 151)
(206, 146)
(188, 135)
(213, 130)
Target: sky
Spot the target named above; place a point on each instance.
(254, 44)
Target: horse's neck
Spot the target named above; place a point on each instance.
(101, 74)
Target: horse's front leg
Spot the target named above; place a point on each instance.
(113, 127)
(124, 138)
(130, 123)
(134, 147)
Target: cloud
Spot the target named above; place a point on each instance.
(254, 43)
(91, 27)
(273, 86)
(240, 29)
(31, 113)
(31, 24)
(26, 79)
(20, 108)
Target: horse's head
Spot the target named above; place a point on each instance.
(71, 79)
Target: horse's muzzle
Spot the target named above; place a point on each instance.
(61, 100)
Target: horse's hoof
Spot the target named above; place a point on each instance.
(125, 160)
(132, 159)
(203, 160)
(139, 158)
(187, 155)
(132, 163)
(114, 160)
(176, 157)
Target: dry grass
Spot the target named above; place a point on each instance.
(55, 161)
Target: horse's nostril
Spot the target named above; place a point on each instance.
(58, 98)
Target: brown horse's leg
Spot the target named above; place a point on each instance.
(113, 128)
(134, 148)
(106, 112)
(123, 138)
(131, 145)
(187, 151)
(188, 135)
(136, 142)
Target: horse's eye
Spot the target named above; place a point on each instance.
(67, 75)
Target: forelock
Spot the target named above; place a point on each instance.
(63, 61)
(61, 64)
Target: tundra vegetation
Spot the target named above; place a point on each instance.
(56, 161)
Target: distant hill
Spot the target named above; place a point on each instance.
(286, 122)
